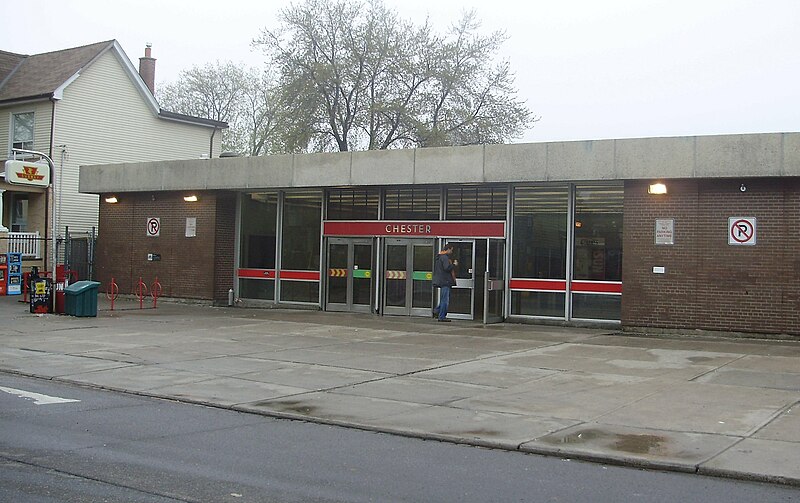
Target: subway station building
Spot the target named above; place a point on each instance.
(682, 233)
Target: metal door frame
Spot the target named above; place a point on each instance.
(464, 283)
(491, 285)
(351, 243)
(408, 309)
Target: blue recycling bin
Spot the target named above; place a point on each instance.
(80, 298)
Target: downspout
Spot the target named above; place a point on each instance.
(211, 144)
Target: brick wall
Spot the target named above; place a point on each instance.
(709, 284)
(187, 268)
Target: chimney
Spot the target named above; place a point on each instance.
(147, 69)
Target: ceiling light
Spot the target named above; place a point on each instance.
(112, 199)
(190, 199)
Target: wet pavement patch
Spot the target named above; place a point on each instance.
(624, 442)
(294, 407)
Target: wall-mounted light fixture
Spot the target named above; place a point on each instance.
(112, 200)
(657, 188)
(190, 199)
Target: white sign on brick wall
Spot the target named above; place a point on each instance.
(153, 227)
(742, 231)
(665, 231)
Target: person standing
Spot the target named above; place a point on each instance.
(444, 278)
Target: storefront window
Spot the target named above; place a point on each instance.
(259, 221)
(540, 249)
(540, 232)
(413, 204)
(353, 204)
(302, 212)
(598, 233)
(477, 203)
(598, 249)
(257, 244)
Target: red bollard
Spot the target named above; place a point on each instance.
(155, 291)
(141, 292)
(111, 292)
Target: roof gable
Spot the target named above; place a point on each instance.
(44, 76)
(41, 75)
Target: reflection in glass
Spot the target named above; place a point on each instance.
(596, 307)
(301, 231)
(353, 204)
(337, 284)
(477, 202)
(549, 304)
(540, 232)
(300, 248)
(258, 226)
(598, 233)
(423, 276)
(418, 203)
(362, 274)
(261, 289)
(395, 275)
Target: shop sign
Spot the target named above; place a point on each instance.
(36, 174)
(415, 229)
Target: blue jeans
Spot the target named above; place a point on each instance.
(444, 302)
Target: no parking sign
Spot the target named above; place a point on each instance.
(153, 227)
(742, 231)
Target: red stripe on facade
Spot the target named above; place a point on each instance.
(596, 287)
(300, 275)
(418, 229)
(270, 274)
(538, 284)
(256, 273)
(554, 285)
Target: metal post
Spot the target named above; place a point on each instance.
(53, 213)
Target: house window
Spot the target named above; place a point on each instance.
(19, 212)
(22, 131)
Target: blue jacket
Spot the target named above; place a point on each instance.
(443, 271)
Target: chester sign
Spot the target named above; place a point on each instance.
(28, 173)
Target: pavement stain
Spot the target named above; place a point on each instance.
(624, 442)
(297, 407)
(480, 433)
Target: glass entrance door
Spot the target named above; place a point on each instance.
(349, 275)
(462, 295)
(408, 277)
(494, 285)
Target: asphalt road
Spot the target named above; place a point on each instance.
(105, 446)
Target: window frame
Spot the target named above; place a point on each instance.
(12, 132)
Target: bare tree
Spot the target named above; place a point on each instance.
(244, 98)
(358, 77)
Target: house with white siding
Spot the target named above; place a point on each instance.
(82, 106)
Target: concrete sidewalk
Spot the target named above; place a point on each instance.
(725, 407)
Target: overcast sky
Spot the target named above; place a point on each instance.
(590, 69)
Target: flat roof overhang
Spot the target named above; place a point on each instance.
(721, 156)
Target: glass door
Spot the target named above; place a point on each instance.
(462, 296)
(408, 277)
(349, 275)
(495, 284)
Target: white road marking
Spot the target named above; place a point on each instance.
(37, 398)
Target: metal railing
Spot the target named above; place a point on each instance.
(26, 243)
